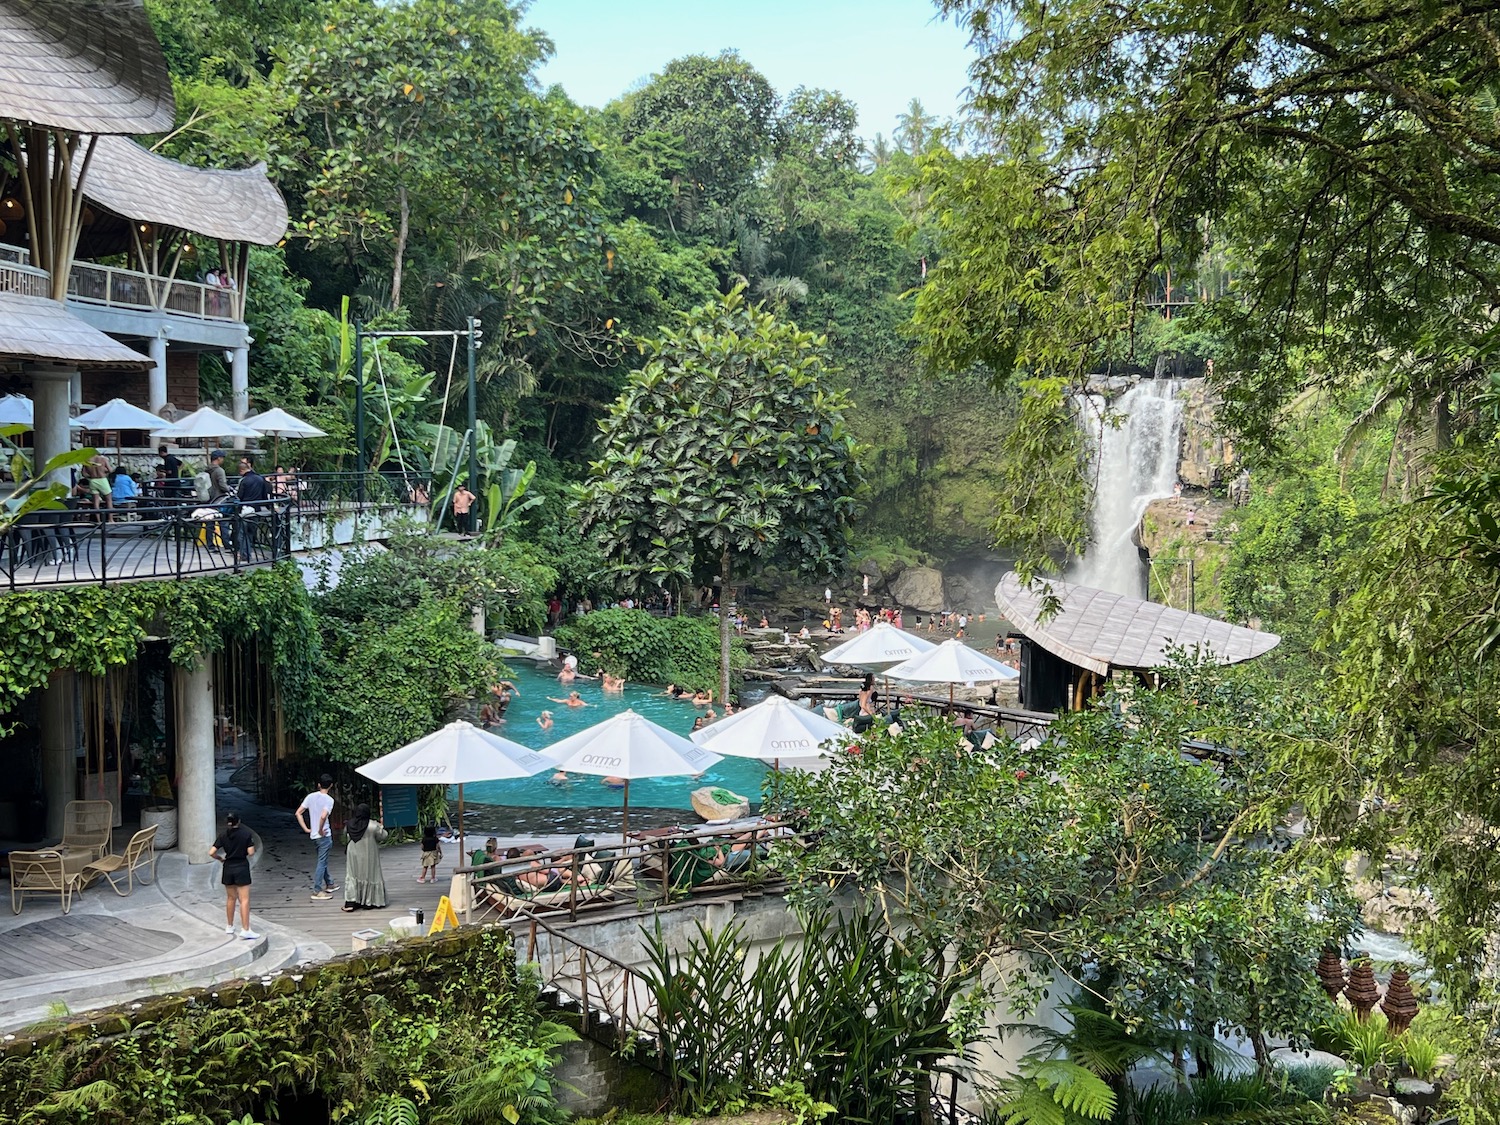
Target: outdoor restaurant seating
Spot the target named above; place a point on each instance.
(139, 853)
(88, 826)
(42, 873)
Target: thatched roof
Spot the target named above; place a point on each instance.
(240, 205)
(1099, 630)
(92, 66)
(39, 329)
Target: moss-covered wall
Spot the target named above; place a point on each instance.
(396, 1019)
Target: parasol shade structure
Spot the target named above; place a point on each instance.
(117, 414)
(455, 754)
(629, 746)
(206, 422)
(952, 662)
(881, 643)
(276, 424)
(17, 410)
(774, 730)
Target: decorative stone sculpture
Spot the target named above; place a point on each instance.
(1400, 1004)
(1362, 991)
(1330, 972)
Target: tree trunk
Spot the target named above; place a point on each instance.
(924, 1092)
(724, 628)
(401, 234)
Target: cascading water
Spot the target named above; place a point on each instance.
(1135, 463)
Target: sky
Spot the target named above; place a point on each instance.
(878, 53)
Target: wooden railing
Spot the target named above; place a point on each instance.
(131, 289)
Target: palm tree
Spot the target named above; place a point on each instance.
(915, 129)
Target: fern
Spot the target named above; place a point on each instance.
(391, 1109)
(94, 1098)
(1056, 1092)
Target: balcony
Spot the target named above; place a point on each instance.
(114, 288)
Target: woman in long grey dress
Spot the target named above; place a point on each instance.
(364, 884)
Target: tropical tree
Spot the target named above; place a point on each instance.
(727, 445)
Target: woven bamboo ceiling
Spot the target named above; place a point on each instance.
(36, 329)
(1098, 630)
(91, 66)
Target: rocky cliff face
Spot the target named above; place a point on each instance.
(1187, 539)
(1206, 454)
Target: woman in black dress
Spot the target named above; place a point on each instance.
(233, 849)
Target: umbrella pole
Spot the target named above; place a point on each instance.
(950, 700)
(626, 836)
(463, 852)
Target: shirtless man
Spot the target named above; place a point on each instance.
(573, 700)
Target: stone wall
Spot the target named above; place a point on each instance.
(1207, 455)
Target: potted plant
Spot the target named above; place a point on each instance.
(158, 806)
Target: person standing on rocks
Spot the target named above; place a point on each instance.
(313, 816)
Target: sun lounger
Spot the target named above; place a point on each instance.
(603, 878)
(41, 873)
(139, 853)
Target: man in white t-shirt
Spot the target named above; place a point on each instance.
(314, 814)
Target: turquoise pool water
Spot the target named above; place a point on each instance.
(743, 775)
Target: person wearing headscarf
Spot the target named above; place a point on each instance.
(364, 884)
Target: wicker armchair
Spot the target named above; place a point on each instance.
(40, 873)
(139, 853)
(88, 826)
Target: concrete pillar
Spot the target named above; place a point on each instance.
(239, 385)
(476, 618)
(156, 393)
(59, 738)
(50, 394)
(197, 820)
(75, 388)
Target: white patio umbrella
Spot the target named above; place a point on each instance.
(117, 414)
(457, 753)
(17, 410)
(629, 746)
(205, 422)
(952, 662)
(881, 643)
(276, 424)
(772, 730)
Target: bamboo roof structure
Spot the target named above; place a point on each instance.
(1098, 630)
(37, 329)
(239, 205)
(88, 66)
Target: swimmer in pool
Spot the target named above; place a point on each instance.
(573, 700)
(613, 782)
(544, 720)
(560, 778)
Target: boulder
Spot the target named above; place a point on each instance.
(1289, 1058)
(714, 804)
(919, 587)
(871, 569)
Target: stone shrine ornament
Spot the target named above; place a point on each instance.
(1400, 1004)
(1362, 991)
(1330, 972)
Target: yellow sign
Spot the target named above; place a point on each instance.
(442, 917)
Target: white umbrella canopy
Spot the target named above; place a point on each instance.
(117, 414)
(952, 662)
(771, 730)
(205, 422)
(629, 746)
(276, 422)
(17, 410)
(881, 643)
(457, 753)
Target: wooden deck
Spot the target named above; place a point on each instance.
(77, 941)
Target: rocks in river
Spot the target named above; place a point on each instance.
(919, 587)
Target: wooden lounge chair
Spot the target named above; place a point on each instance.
(40, 873)
(606, 879)
(88, 826)
(139, 853)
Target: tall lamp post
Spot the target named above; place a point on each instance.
(474, 335)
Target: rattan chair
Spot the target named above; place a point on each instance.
(40, 873)
(139, 853)
(88, 826)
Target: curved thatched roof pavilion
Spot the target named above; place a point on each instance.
(1095, 632)
(240, 205)
(89, 66)
(40, 330)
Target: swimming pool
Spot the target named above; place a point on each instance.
(743, 775)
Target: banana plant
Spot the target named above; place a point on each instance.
(503, 488)
(35, 493)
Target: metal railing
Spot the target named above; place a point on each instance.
(321, 491)
(87, 546)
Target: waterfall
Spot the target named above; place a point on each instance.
(1135, 463)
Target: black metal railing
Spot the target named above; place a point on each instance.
(131, 543)
(316, 491)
